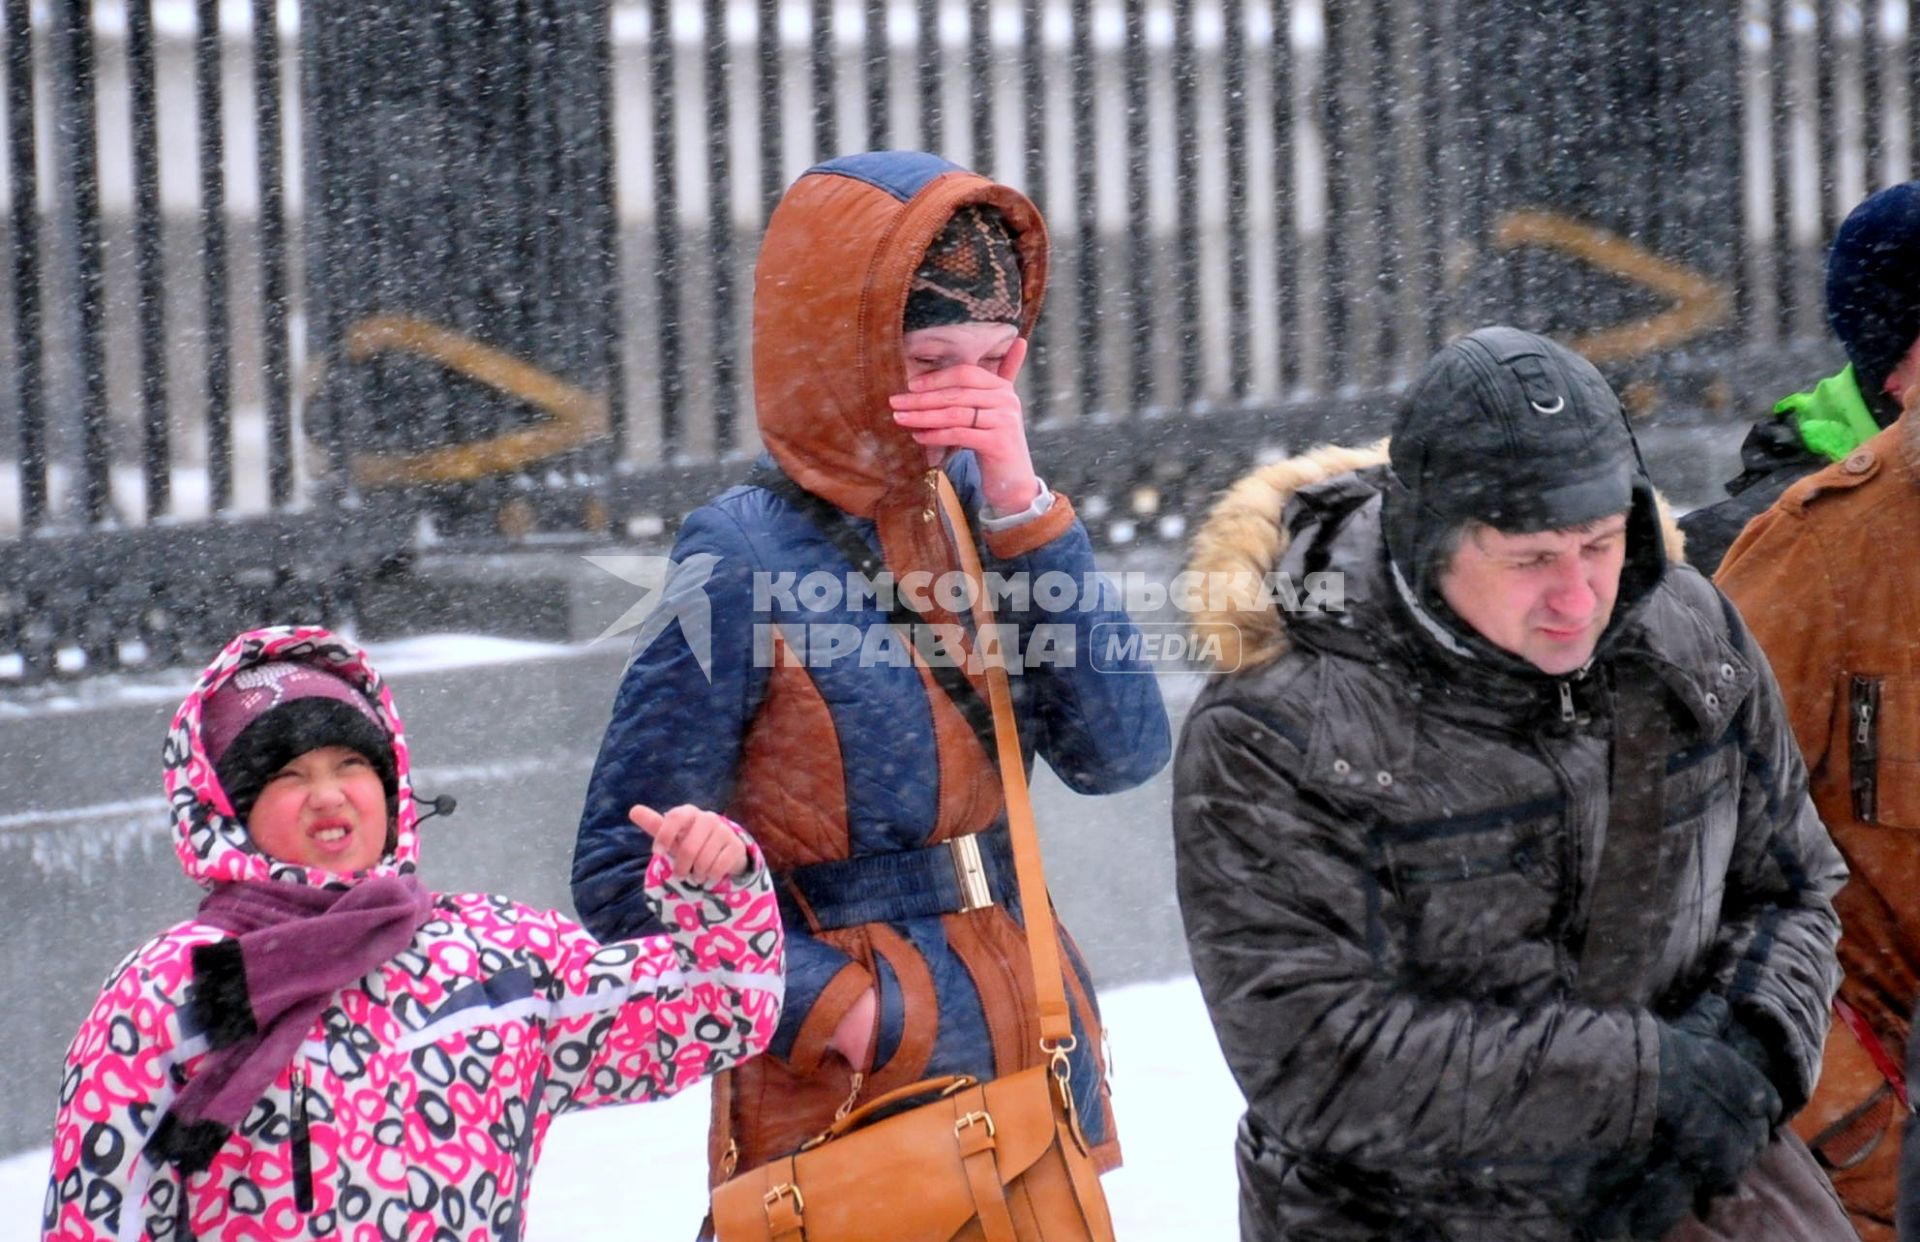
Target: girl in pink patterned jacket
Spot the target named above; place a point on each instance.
(327, 1049)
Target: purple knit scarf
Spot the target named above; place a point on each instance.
(256, 995)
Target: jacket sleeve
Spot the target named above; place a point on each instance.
(117, 1081)
(643, 1019)
(1776, 949)
(1092, 704)
(676, 736)
(679, 719)
(1333, 1053)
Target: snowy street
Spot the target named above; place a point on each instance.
(638, 1173)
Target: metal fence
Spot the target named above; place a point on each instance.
(1267, 213)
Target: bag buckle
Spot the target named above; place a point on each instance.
(970, 869)
(782, 1191)
(974, 1119)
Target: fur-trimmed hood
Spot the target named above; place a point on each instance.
(1245, 538)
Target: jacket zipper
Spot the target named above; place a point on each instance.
(302, 1146)
(1864, 750)
(1565, 685)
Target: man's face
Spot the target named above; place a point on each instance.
(1903, 377)
(1545, 597)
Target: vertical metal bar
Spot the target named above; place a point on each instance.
(878, 124)
(1891, 53)
(23, 186)
(276, 354)
(1186, 219)
(1357, 257)
(430, 257)
(1234, 73)
(1443, 168)
(73, 29)
(933, 129)
(980, 78)
(772, 171)
(1086, 239)
(1411, 50)
(1873, 84)
(607, 204)
(149, 261)
(1805, 178)
(213, 244)
(1828, 112)
(1848, 136)
(1758, 287)
(1308, 39)
(826, 137)
(1140, 352)
(666, 227)
(1781, 258)
(1335, 257)
(317, 100)
(1910, 57)
(326, 197)
(1033, 92)
(720, 226)
(1280, 76)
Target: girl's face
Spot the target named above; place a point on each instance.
(325, 809)
(947, 346)
(981, 345)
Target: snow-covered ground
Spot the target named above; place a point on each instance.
(639, 1173)
(395, 658)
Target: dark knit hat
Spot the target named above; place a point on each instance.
(970, 273)
(1510, 429)
(1873, 289)
(271, 714)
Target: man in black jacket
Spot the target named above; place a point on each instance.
(1502, 885)
(1873, 303)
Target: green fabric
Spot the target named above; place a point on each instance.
(1833, 419)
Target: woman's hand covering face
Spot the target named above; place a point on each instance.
(960, 394)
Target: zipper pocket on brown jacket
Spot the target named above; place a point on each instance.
(1863, 746)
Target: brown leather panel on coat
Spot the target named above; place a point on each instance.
(908, 1064)
(791, 793)
(776, 1110)
(994, 951)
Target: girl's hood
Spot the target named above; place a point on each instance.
(212, 844)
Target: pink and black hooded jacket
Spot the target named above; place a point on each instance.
(418, 1102)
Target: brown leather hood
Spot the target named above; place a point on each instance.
(830, 293)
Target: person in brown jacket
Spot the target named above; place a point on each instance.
(1827, 582)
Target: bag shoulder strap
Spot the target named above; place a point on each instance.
(830, 521)
(1630, 898)
(1876, 1050)
(1043, 943)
